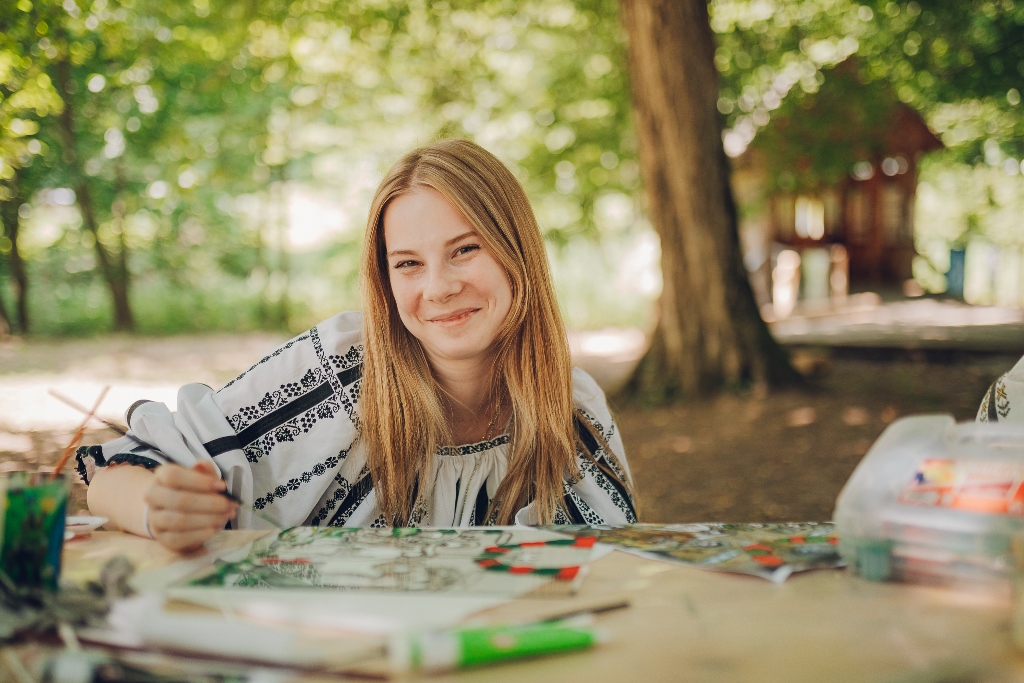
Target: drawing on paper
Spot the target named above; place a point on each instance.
(390, 560)
(772, 551)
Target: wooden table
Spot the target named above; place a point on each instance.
(687, 624)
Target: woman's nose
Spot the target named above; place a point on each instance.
(442, 284)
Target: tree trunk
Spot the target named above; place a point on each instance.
(710, 334)
(5, 318)
(11, 230)
(116, 279)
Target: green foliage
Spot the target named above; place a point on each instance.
(195, 128)
(199, 126)
(961, 65)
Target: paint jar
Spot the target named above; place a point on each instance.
(32, 515)
(938, 503)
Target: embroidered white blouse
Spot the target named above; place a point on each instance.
(1004, 400)
(284, 436)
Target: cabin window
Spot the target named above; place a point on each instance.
(809, 218)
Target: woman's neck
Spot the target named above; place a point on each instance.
(474, 407)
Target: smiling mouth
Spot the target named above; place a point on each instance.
(454, 317)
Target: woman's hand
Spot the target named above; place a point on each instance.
(187, 506)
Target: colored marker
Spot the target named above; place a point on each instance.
(435, 651)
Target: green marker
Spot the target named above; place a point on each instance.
(434, 651)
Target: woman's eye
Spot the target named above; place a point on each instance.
(466, 248)
(404, 264)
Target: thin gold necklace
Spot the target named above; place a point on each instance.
(494, 419)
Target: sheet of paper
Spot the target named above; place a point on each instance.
(365, 580)
(772, 551)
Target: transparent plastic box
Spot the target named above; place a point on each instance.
(935, 502)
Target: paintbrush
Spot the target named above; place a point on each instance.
(82, 409)
(124, 432)
(66, 455)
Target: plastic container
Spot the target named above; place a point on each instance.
(936, 502)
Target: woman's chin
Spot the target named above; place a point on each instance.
(458, 353)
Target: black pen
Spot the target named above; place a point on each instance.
(262, 515)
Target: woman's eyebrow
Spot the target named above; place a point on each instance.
(454, 240)
(471, 233)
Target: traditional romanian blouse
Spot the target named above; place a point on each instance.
(1004, 400)
(284, 436)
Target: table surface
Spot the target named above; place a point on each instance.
(688, 624)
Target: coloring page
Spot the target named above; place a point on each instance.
(388, 560)
(772, 550)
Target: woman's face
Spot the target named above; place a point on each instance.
(450, 291)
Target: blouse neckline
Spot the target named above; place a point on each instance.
(473, 448)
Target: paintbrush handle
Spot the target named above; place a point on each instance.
(66, 455)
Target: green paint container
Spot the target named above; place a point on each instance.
(32, 514)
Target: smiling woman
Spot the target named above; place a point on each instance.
(451, 402)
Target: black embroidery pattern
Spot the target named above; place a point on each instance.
(983, 409)
(599, 454)
(419, 511)
(472, 448)
(318, 470)
(1002, 400)
(352, 358)
(344, 487)
(289, 430)
(588, 514)
(597, 425)
(380, 523)
(94, 452)
(359, 492)
(273, 400)
(133, 459)
(590, 468)
(560, 517)
(347, 395)
(277, 352)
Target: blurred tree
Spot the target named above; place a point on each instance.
(709, 331)
(960, 64)
(195, 126)
(27, 96)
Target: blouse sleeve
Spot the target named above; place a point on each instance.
(1004, 400)
(278, 433)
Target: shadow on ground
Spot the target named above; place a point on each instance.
(786, 456)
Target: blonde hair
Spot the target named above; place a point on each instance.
(402, 416)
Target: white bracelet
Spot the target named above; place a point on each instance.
(145, 522)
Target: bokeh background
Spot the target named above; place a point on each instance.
(204, 168)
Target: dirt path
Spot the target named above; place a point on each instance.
(733, 458)
(785, 457)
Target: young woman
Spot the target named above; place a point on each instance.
(450, 402)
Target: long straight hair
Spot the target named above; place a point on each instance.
(402, 415)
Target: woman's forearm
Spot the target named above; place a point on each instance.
(118, 493)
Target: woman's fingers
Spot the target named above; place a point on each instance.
(173, 520)
(186, 506)
(163, 497)
(207, 468)
(201, 478)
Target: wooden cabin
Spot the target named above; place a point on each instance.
(864, 212)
